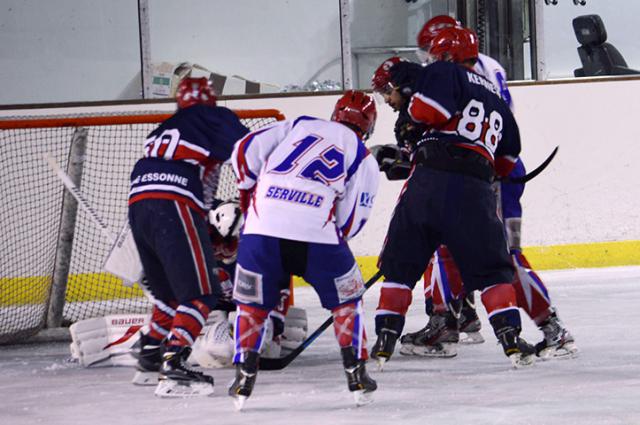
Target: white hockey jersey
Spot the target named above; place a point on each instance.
(312, 180)
(494, 72)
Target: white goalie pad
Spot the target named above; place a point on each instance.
(123, 259)
(295, 329)
(107, 341)
(214, 348)
(295, 332)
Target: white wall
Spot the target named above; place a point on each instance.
(589, 193)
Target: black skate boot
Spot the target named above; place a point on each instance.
(359, 382)
(557, 342)
(386, 343)
(148, 351)
(440, 338)
(408, 340)
(178, 379)
(519, 351)
(246, 374)
(469, 322)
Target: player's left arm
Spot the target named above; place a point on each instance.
(509, 147)
(250, 153)
(354, 206)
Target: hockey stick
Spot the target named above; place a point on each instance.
(281, 363)
(79, 197)
(535, 172)
(123, 260)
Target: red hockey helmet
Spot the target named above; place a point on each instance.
(381, 81)
(431, 28)
(358, 109)
(455, 44)
(193, 91)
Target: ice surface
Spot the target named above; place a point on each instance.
(601, 307)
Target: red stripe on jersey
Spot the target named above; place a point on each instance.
(168, 196)
(451, 125)
(504, 165)
(196, 249)
(425, 113)
(243, 166)
(184, 152)
(479, 149)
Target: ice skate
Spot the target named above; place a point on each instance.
(469, 323)
(519, 351)
(407, 341)
(177, 379)
(246, 374)
(557, 342)
(148, 352)
(440, 338)
(359, 382)
(384, 346)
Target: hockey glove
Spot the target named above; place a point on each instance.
(392, 161)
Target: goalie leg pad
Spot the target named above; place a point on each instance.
(214, 348)
(106, 341)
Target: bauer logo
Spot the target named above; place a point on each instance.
(128, 321)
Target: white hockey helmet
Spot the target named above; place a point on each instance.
(227, 219)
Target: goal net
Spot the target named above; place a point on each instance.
(32, 217)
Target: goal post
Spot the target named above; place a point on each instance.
(52, 252)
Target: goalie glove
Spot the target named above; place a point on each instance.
(392, 160)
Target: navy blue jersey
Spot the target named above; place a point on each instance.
(183, 155)
(462, 107)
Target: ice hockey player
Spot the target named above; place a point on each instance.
(448, 199)
(307, 186)
(172, 187)
(444, 294)
(286, 327)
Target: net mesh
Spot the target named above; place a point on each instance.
(31, 211)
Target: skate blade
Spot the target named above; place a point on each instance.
(380, 361)
(362, 398)
(168, 388)
(238, 401)
(521, 361)
(471, 338)
(443, 350)
(407, 349)
(145, 378)
(567, 351)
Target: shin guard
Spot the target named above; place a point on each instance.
(249, 331)
(531, 293)
(348, 323)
